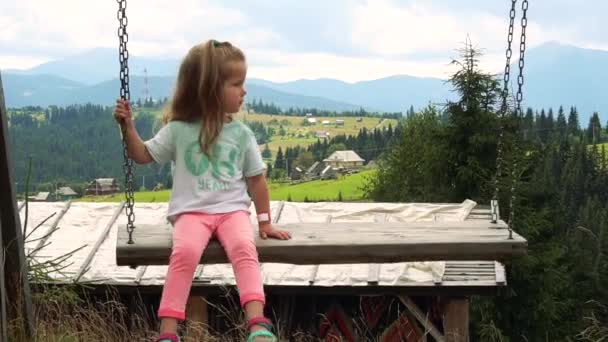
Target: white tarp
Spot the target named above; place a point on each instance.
(83, 224)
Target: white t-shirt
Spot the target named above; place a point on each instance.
(201, 184)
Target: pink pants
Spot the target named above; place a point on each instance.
(191, 234)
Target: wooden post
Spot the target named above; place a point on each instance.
(197, 317)
(456, 321)
(16, 298)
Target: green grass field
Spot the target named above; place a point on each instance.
(321, 190)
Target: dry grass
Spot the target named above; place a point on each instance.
(597, 324)
(61, 315)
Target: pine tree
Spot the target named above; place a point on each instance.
(594, 129)
(279, 162)
(266, 153)
(471, 127)
(561, 125)
(573, 123)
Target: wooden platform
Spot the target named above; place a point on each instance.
(347, 243)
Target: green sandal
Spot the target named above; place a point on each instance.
(267, 332)
(262, 333)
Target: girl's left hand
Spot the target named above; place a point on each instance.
(268, 231)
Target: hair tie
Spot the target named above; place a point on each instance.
(215, 43)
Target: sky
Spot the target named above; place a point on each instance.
(284, 40)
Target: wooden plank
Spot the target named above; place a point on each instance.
(483, 272)
(456, 321)
(199, 271)
(15, 286)
(470, 279)
(471, 274)
(102, 237)
(469, 263)
(141, 270)
(4, 319)
(315, 269)
(500, 274)
(469, 267)
(373, 274)
(277, 217)
(373, 271)
(198, 318)
(51, 229)
(482, 269)
(422, 318)
(318, 243)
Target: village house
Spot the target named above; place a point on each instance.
(322, 135)
(42, 196)
(65, 193)
(102, 186)
(314, 171)
(344, 160)
(329, 172)
(297, 173)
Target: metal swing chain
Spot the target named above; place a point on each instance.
(519, 114)
(125, 94)
(503, 111)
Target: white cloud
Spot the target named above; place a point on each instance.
(155, 27)
(382, 27)
(21, 62)
(355, 39)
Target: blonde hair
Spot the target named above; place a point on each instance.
(199, 89)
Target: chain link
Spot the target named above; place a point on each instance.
(123, 55)
(519, 114)
(503, 107)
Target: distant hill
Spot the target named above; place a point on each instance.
(43, 90)
(391, 94)
(561, 74)
(101, 64)
(555, 75)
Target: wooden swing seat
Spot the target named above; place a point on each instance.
(475, 238)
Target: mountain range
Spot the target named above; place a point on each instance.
(555, 74)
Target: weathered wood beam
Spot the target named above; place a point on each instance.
(499, 271)
(198, 316)
(15, 286)
(429, 327)
(344, 243)
(456, 321)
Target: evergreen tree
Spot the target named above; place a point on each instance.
(266, 153)
(573, 123)
(594, 129)
(471, 128)
(561, 125)
(279, 162)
